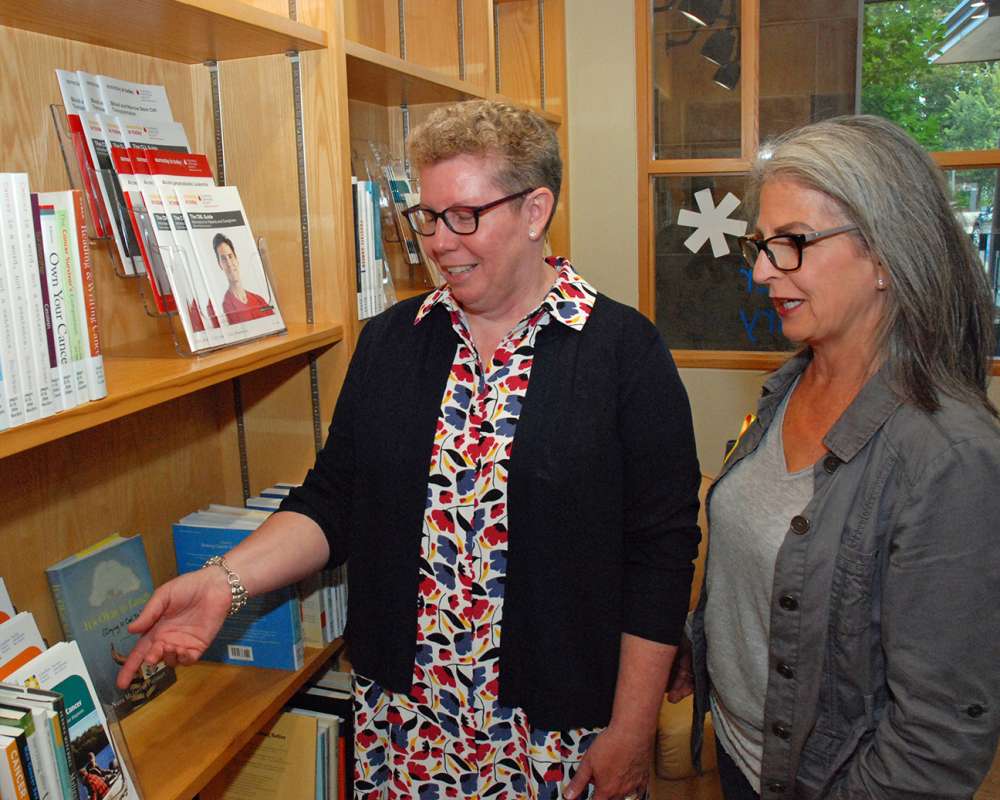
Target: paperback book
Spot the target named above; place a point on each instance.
(97, 593)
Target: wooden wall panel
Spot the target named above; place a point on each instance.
(518, 33)
(432, 35)
(374, 23)
(479, 45)
(134, 475)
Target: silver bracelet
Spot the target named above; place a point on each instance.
(237, 590)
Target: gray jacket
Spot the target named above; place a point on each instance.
(885, 617)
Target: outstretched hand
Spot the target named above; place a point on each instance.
(179, 622)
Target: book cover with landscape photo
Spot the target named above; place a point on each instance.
(97, 593)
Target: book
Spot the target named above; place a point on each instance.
(13, 783)
(97, 593)
(126, 98)
(52, 705)
(54, 252)
(61, 669)
(280, 761)
(141, 222)
(20, 642)
(84, 291)
(10, 367)
(39, 746)
(340, 705)
(20, 738)
(59, 239)
(6, 606)
(263, 503)
(222, 240)
(22, 282)
(268, 631)
(327, 747)
(49, 386)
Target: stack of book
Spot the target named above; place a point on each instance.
(159, 203)
(369, 264)
(50, 348)
(273, 629)
(59, 734)
(305, 753)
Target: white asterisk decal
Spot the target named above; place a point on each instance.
(711, 221)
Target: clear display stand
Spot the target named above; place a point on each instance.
(171, 272)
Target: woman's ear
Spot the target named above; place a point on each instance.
(539, 206)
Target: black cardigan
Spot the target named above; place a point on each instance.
(603, 503)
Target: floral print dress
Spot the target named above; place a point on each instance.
(450, 736)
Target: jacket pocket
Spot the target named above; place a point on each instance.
(853, 591)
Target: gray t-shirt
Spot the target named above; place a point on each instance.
(748, 520)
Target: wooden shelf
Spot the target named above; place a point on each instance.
(189, 31)
(382, 79)
(184, 737)
(158, 374)
(731, 359)
(549, 116)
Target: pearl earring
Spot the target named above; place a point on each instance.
(880, 283)
(531, 234)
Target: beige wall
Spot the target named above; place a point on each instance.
(600, 76)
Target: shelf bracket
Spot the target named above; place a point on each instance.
(241, 437)
(220, 148)
(460, 10)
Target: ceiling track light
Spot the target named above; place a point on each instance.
(728, 75)
(718, 48)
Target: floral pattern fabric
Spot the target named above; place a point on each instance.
(450, 736)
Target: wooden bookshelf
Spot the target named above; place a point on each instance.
(181, 740)
(386, 80)
(188, 31)
(158, 374)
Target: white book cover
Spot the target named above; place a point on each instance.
(147, 134)
(128, 99)
(263, 503)
(190, 309)
(57, 209)
(73, 97)
(61, 669)
(6, 605)
(221, 236)
(24, 345)
(219, 331)
(96, 138)
(50, 395)
(361, 247)
(91, 92)
(55, 253)
(20, 642)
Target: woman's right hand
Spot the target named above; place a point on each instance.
(179, 621)
(681, 682)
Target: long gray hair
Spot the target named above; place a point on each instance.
(937, 335)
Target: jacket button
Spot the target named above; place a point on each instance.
(975, 710)
(785, 671)
(780, 731)
(830, 464)
(788, 603)
(775, 786)
(799, 524)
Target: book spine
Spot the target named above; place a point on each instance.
(58, 306)
(357, 248)
(8, 344)
(45, 308)
(88, 306)
(378, 254)
(60, 709)
(58, 757)
(363, 246)
(13, 782)
(28, 253)
(21, 325)
(70, 290)
(27, 766)
(59, 597)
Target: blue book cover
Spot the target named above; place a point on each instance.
(268, 631)
(97, 593)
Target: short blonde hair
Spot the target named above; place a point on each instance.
(524, 147)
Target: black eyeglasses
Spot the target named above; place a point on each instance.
(785, 249)
(463, 220)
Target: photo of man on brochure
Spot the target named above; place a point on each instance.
(239, 303)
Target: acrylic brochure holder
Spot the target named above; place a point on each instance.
(139, 244)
